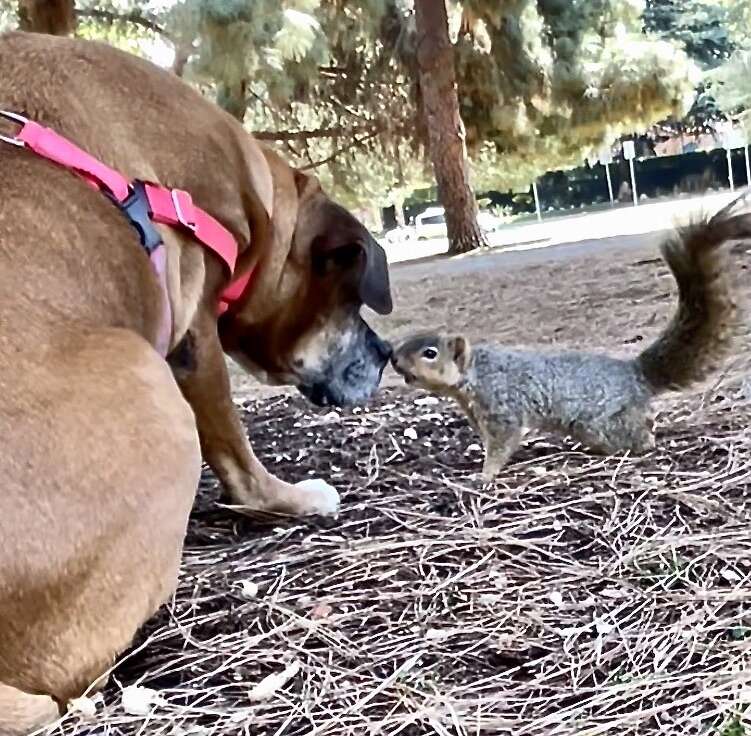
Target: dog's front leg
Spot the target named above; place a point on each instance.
(200, 369)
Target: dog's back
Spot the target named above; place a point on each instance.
(54, 228)
(91, 498)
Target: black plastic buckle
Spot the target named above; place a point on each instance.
(136, 209)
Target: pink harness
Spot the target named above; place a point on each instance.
(144, 204)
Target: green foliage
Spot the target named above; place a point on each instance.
(730, 84)
(542, 83)
(731, 87)
(702, 27)
(8, 18)
(362, 177)
(738, 20)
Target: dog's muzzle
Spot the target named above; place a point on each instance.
(353, 376)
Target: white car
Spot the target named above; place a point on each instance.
(432, 223)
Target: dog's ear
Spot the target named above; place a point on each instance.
(461, 352)
(347, 244)
(375, 287)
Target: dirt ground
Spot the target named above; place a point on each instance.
(579, 596)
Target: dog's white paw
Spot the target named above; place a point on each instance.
(322, 499)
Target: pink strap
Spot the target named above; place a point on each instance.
(234, 292)
(50, 145)
(168, 206)
(175, 207)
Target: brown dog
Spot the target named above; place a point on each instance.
(101, 457)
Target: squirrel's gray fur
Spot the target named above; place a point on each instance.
(600, 401)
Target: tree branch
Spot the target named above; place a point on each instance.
(304, 135)
(342, 149)
(133, 17)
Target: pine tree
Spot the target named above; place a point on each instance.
(730, 83)
(337, 85)
(437, 79)
(56, 17)
(704, 29)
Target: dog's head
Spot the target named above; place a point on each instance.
(300, 322)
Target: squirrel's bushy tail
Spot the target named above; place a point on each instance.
(699, 336)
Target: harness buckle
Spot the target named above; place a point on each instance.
(136, 208)
(184, 210)
(14, 118)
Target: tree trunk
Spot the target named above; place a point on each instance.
(399, 211)
(233, 97)
(435, 59)
(56, 17)
(182, 56)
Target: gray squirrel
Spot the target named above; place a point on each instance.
(601, 401)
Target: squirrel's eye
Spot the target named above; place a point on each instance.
(430, 353)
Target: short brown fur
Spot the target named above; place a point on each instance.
(101, 455)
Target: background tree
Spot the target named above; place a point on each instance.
(730, 83)
(544, 84)
(440, 104)
(336, 84)
(704, 29)
(56, 17)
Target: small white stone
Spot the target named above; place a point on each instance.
(557, 598)
(557, 525)
(499, 580)
(730, 575)
(427, 401)
(489, 599)
(139, 701)
(248, 589)
(189, 730)
(270, 685)
(410, 433)
(474, 448)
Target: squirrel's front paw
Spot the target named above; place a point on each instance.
(483, 480)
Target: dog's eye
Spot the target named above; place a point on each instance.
(430, 353)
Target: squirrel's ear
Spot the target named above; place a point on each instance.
(462, 351)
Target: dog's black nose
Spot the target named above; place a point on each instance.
(382, 348)
(316, 393)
